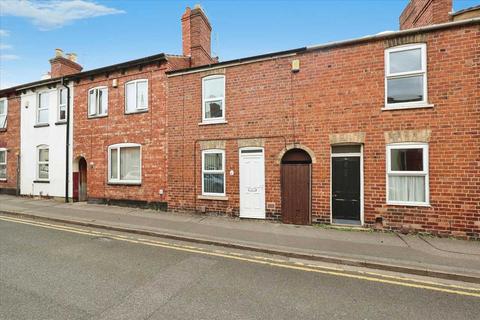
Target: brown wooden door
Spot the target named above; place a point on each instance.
(296, 193)
(82, 180)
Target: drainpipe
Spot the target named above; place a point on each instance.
(67, 142)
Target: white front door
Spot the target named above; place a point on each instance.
(252, 183)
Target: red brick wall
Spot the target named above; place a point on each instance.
(10, 139)
(419, 13)
(93, 136)
(340, 90)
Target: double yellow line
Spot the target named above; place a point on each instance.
(359, 275)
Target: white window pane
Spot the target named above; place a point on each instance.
(114, 164)
(43, 116)
(43, 155)
(409, 89)
(130, 163)
(142, 95)
(213, 183)
(213, 161)
(214, 88)
(131, 97)
(406, 159)
(407, 189)
(62, 113)
(103, 101)
(3, 171)
(3, 121)
(404, 61)
(44, 100)
(3, 155)
(213, 109)
(43, 171)
(63, 96)
(92, 103)
(3, 108)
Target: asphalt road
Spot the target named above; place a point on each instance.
(49, 272)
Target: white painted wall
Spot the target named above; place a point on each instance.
(54, 136)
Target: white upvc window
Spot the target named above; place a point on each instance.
(62, 104)
(3, 112)
(3, 164)
(407, 174)
(42, 108)
(125, 163)
(136, 95)
(213, 172)
(98, 102)
(406, 76)
(213, 99)
(43, 162)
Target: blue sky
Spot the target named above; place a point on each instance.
(107, 32)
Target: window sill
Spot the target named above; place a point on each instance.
(420, 106)
(3, 129)
(41, 125)
(3, 180)
(41, 181)
(96, 117)
(409, 204)
(139, 111)
(212, 122)
(124, 183)
(59, 123)
(219, 198)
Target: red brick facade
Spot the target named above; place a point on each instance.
(339, 90)
(419, 13)
(10, 140)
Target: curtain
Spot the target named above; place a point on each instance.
(114, 164)
(130, 163)
(406, 188)
(142, 94)
(92, 103)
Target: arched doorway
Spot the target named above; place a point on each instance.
(296, 186)
(80, 179)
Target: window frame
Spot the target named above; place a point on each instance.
(38, 162)
(424, 173)
(407, 74)
(97, 114)
(118, 147)
(39, 107)
(213, 151)
(5, 100)
(204, 100)
(59, 93)
(4, 163)
(137, 109)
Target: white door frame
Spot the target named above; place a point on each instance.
(341, 155)
(239, 177)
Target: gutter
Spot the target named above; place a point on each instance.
(67, 142)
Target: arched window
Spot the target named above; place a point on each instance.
(213, 99)
(43, 162)
(136, 96)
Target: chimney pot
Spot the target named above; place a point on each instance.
(72, 56)
(58, 52)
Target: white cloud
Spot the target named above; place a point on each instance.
(5, 46)
(6, 57)
(51, 14)
(3, 32)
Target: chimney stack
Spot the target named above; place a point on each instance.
(419, 13)
(196, 36)
(64, 65)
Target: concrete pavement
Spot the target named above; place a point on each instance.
(60, 273)
(446, 258)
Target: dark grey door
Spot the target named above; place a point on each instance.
(346, 188)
